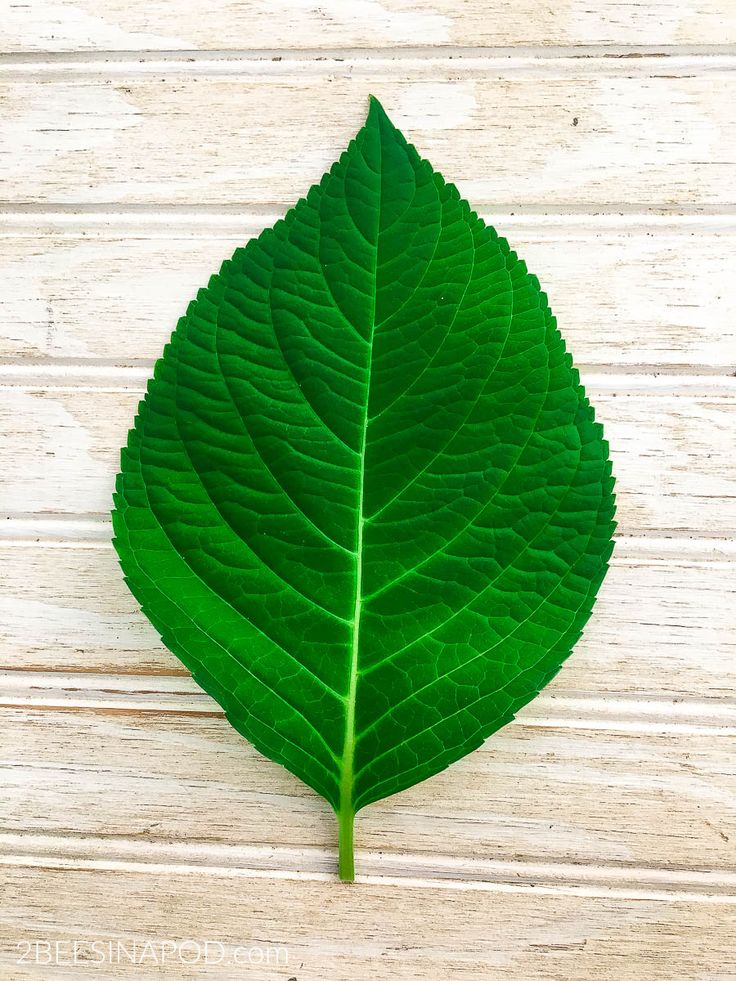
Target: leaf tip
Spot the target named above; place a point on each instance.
(376, 112)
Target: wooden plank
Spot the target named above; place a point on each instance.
(554, 708)
(136, 24)
(533, 793)
(423, 869)
(558, 142)
(592, 837)
(662, 629)
(102, 291)
(369, 930)
(672, 454)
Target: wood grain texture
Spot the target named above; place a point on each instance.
(673, 454)
(662, 631)
(140, 142)
(558, 708)
(535, 793)
(60, 25)
(653, 141)
(624, 295)
(377, 931)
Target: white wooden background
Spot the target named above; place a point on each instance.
(140, 141)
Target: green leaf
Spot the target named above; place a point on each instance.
(365, 500)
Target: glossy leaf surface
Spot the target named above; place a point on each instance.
(365, 501)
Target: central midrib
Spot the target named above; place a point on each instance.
(348, 753)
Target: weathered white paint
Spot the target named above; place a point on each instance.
(664, 623)
(639, 295)
(654, 141)
(62, 25)
(420, 931)
(595, 835)
(673, 453)
(594, 793)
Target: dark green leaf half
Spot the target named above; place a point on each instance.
(365, 500)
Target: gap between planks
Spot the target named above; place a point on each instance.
(177, 694)
(117, 853)
(48, 371)
(84, 216)
(550, 52)
(94, 530)
(69, 375)
(584, 62)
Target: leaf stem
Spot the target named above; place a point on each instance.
(346, 813)
(346, 863)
